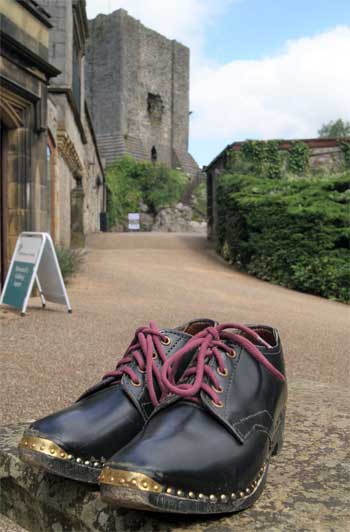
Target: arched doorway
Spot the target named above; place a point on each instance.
(154, 154)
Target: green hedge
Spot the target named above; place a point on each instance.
(293, 231)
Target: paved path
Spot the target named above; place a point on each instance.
(49, 357)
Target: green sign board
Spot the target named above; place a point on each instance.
(34, 261)
(18, 284)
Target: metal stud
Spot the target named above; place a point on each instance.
(26, 443)
(122, 480)
(169, 491)
(70, 456)
(145, 485)
(62, 455)
(156, 487)
(96, 464)
(200, 496)
(134, 482)
(212, 498)
(233, 496)
(42, 448)
(52, 451)
(191, 494)
(78, 460)
(223, 498)
(241, 493)
(179, 493)
(247, 490)
(33, 446)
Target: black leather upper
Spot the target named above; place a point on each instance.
(199, 446)
(108, 415)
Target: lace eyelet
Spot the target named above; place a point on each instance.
(165, 341)
(218, 405)
(222, 373)
(218, 390)
(154, 356)
(138, 383)
(142, 370)
(232, 353)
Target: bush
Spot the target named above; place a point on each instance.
(293, 231)
(70, 260)
(130, 182)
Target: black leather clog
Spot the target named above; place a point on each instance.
(76, 441)
(206, 449)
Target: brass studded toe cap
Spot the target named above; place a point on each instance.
(129, 479)
(50, 448)
(44, 446)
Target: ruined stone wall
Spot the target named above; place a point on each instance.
(138, 91)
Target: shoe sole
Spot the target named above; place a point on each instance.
(174, 502)
(38, 451)
(138, 491)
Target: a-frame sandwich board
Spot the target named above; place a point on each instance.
(34, 260)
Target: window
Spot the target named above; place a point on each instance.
(155, 107)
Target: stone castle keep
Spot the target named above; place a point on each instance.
(137, 85)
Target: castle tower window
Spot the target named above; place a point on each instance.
(154, 154)
(155, 107)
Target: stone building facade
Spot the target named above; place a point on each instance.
(325, 154)
(73, 156)
(25, 71)
(138, 90)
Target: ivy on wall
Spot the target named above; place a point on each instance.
(344, 145)
(266, 159)
(298, 158)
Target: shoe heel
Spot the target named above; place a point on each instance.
(279, 437)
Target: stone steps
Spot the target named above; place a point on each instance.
(185, 161)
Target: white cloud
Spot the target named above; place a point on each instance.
(285, 96)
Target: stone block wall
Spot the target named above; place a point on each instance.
(61, 39)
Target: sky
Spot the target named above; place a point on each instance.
(260, 69)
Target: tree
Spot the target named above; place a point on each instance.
(335, 128)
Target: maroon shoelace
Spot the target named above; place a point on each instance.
(209, 342)
(144, 350)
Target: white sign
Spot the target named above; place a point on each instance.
(28, 249)
(34, 260)
(134, 221)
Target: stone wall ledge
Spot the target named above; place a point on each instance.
(307, 488)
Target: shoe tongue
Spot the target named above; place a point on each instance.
(195, 326)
